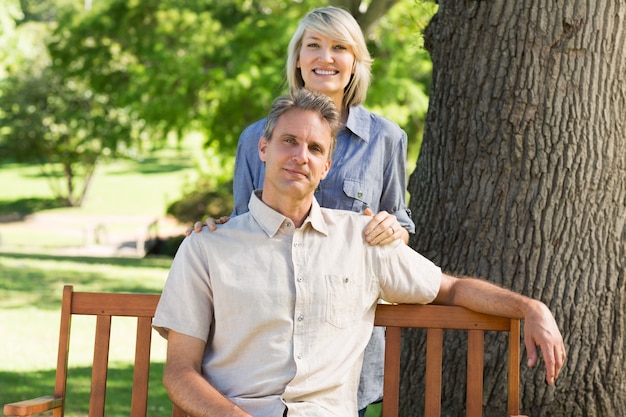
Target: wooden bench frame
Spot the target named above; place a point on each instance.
(435, 319)
(105, 306)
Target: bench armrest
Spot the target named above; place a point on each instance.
(33, 406)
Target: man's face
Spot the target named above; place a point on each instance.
(297, 156)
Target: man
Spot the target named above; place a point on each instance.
(269, 315)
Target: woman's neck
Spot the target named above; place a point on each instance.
(345, 112)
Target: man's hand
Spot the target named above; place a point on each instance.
(540, 329)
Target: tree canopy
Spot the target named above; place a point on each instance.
(139, 71)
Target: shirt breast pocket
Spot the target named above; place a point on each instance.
(343, 295)
(358, 192)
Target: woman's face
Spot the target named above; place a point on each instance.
(326, 65)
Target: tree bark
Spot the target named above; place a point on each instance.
(366, 16)
(521, 179)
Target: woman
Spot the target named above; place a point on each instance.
(328, 54)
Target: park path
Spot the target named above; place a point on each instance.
(62, 234)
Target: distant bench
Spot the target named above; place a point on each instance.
(145, 235)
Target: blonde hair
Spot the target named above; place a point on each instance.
(340, 26)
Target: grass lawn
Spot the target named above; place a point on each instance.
(30, 296)
(124, 196)
(120, 187)
(32, 275)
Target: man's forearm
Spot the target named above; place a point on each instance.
(540, 328)
(485, 297)
(192, 393)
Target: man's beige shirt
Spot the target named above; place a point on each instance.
(286, 313)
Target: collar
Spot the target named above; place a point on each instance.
(271, 221)
(359, 122)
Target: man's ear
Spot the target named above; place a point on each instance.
(262, 148)
(327, 168)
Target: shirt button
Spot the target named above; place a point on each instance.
(346, 280)
(300, 318)
(300, 279)
(359, 194)
(288, 224)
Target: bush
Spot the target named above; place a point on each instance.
(203, 202)
(165, 246)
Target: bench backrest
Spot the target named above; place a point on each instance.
(435, 319)
(104, 306)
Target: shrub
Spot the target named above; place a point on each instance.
(203, 202)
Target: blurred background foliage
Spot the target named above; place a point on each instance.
(86, 81)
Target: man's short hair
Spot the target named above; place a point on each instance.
(303, 99)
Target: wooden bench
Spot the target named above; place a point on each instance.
(105, 306)
(435, 319)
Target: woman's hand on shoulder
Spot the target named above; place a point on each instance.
(383, 229)
(210, 223)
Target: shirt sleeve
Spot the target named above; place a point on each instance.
(186, 304)
(393, 198)
(249, 170)
(406, 276)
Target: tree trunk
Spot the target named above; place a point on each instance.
(521, 179)
(367, 16)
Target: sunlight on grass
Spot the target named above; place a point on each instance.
(30, 297)
(121, 187)
(35, 337)
(23, 181)
(21, 237)
(37, 280)
(22, 385)
(125, 197)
